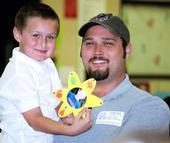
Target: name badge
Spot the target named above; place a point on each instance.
(110, 117)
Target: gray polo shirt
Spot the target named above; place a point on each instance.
(126, 109)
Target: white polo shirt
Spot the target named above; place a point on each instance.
(26, 84)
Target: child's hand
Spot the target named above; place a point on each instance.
(81, 123)
(68, 119)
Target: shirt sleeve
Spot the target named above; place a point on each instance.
(22, 91)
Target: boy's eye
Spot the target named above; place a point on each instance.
(51, 37)
(36, 35)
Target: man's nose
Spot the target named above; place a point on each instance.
(98, 49)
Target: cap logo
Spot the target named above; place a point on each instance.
(102, 18)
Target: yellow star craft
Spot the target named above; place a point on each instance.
(77, 96)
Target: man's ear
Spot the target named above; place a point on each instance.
(128, 49)
(81, 50)
(17, 34)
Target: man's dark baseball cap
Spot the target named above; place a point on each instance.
(113, 23)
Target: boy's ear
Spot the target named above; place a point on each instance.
(17, 34)
(80, 52)
(128, 49)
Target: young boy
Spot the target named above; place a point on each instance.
(27, 106)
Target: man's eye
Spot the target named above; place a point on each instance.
(89, 43)
(108, 43)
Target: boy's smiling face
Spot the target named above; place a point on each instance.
(38, 38)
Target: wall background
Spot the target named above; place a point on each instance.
(150, 35)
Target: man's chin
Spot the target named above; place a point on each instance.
(98, 74)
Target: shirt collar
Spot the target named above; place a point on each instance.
(120, 89)
(19, 56)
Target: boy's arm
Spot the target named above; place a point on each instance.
(37, 121)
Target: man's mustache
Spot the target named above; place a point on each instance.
(98, 58)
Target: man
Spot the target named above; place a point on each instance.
(127, 109)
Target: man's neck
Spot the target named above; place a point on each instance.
(104, 87)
